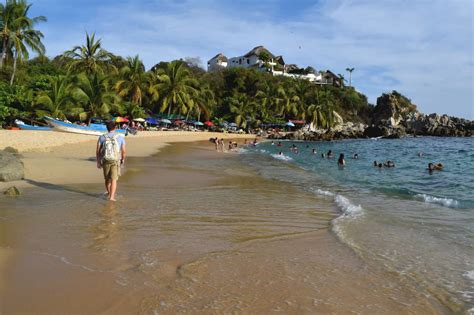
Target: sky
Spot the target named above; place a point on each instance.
(421, 48)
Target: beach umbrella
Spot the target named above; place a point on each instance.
(120, 119)
(198, 123)
(290, 124)
(233, 125)
(165, 121)
(139, 120)
(151, 121)
(209, 123)
(178, 122)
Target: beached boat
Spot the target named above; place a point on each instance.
(23, 126)
(93, 129)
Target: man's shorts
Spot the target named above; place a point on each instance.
(111, 170)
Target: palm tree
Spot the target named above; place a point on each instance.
(135, 82)
(90, 58)
(176, 86)
(57, 101)
(243, 109)
(95, 96)
(204, 101)
(18, 33)
(350, 75)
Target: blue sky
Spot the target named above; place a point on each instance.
(421, 48)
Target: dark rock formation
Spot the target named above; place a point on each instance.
(11, 167)
(12, 191)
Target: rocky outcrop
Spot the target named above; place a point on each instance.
(12, 191)
(11, 167)
(395, 116)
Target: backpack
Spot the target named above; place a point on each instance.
(110, 149)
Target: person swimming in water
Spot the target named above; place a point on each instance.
(279, 144)
(389, 163)
(322, 155)
(329, 155)
(375, 164)
(341, 161)
(435, 167)
(356, 156)
(314, 151)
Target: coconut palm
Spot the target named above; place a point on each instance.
(135, 82)
(350, 75)
(176, 86)
(204, 101)
(57, 101)
(243, 109)
(90, 58)
(18, 33)
(95, 96)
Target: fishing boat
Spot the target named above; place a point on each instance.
(24, 126)
(93, 129)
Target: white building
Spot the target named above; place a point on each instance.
(218, 62)
(262, 59)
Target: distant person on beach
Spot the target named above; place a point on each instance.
(110, 154)
(222, 145)
(341, 161)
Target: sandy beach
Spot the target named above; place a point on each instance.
(193, 231)
(70, 158)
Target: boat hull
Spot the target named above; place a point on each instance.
(62, 126)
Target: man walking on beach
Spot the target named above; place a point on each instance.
(110, 155)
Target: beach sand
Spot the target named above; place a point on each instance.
(70, 158)
(193, 232)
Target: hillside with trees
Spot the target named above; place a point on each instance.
(89, 81)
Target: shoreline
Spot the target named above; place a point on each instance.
(305, 261)
(70, 158)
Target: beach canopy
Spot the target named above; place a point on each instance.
(209, 123)
(290, 124)
(165, 121)
(139, 120)
(120, 119)
(151, 121)
(198, 123)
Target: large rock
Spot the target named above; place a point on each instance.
(12, 191)
(392, 109)
(11, 167)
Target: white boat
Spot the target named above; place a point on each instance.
(95, 130)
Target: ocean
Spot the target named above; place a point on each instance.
(416, 224)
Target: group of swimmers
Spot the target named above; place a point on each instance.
(341, 160)
(221, 146)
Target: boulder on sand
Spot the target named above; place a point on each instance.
(11, 167)
(12, 191)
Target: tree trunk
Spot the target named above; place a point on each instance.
(15, 58)
(169, 110)
(199, 115)
(4, 53)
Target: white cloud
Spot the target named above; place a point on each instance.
(422, 48)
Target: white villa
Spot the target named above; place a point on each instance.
(262, 59)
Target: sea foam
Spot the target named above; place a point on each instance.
(447, 202)
(282, 157)
(348, 209)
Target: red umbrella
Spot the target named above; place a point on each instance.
(209, 123)
(178, 122)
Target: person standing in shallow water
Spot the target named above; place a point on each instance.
(110, 154)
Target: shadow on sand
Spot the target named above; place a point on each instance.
(62, 188)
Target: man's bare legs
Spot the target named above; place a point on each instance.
(111, 186)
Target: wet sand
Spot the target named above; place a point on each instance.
(193, 232)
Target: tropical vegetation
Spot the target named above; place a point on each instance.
(88, 81)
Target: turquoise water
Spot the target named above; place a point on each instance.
(417, 224)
